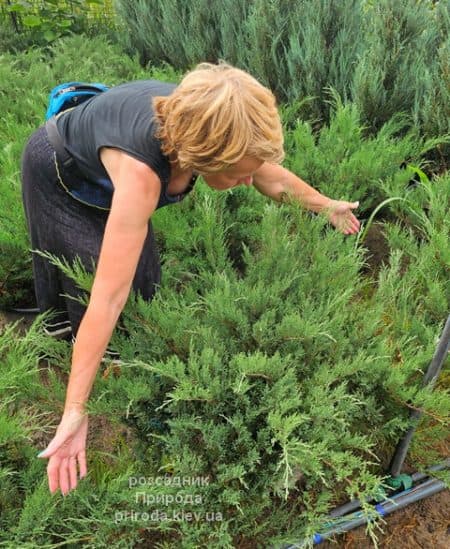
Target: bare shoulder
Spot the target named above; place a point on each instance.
(268, 171)
(269, 179)
(124, 169)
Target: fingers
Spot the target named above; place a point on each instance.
(343, 218)
(73, 472)
(82, 463)
(353, 228)
(53, 473)
(352, 221)
(66, 450)
(352, 225)
(62, 473)
(64, 476)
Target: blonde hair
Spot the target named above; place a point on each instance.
(216, 116)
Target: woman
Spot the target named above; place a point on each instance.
(147, 141)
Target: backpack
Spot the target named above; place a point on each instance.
(70, 94)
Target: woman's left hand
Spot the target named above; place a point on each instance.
(339, 214)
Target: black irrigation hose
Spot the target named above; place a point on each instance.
(386, 507)
(429, 380)
(439, 467)
(355, 504)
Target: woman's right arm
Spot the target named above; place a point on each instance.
(136, 194)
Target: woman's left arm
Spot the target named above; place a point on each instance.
(275, 181)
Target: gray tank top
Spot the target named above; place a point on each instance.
(123, 118)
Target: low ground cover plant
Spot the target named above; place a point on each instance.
(280, 383)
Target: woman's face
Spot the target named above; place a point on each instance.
(240, 173)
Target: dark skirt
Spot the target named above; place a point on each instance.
(66, 227)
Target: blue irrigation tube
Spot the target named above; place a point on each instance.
(355, 504)
(349, 522)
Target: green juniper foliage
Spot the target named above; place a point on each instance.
(31, 397)
(344, 163)
(279, 382)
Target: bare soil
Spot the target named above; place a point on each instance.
(377, 250)
(25, 320)
(421, 525)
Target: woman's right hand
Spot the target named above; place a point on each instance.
(67, 447)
